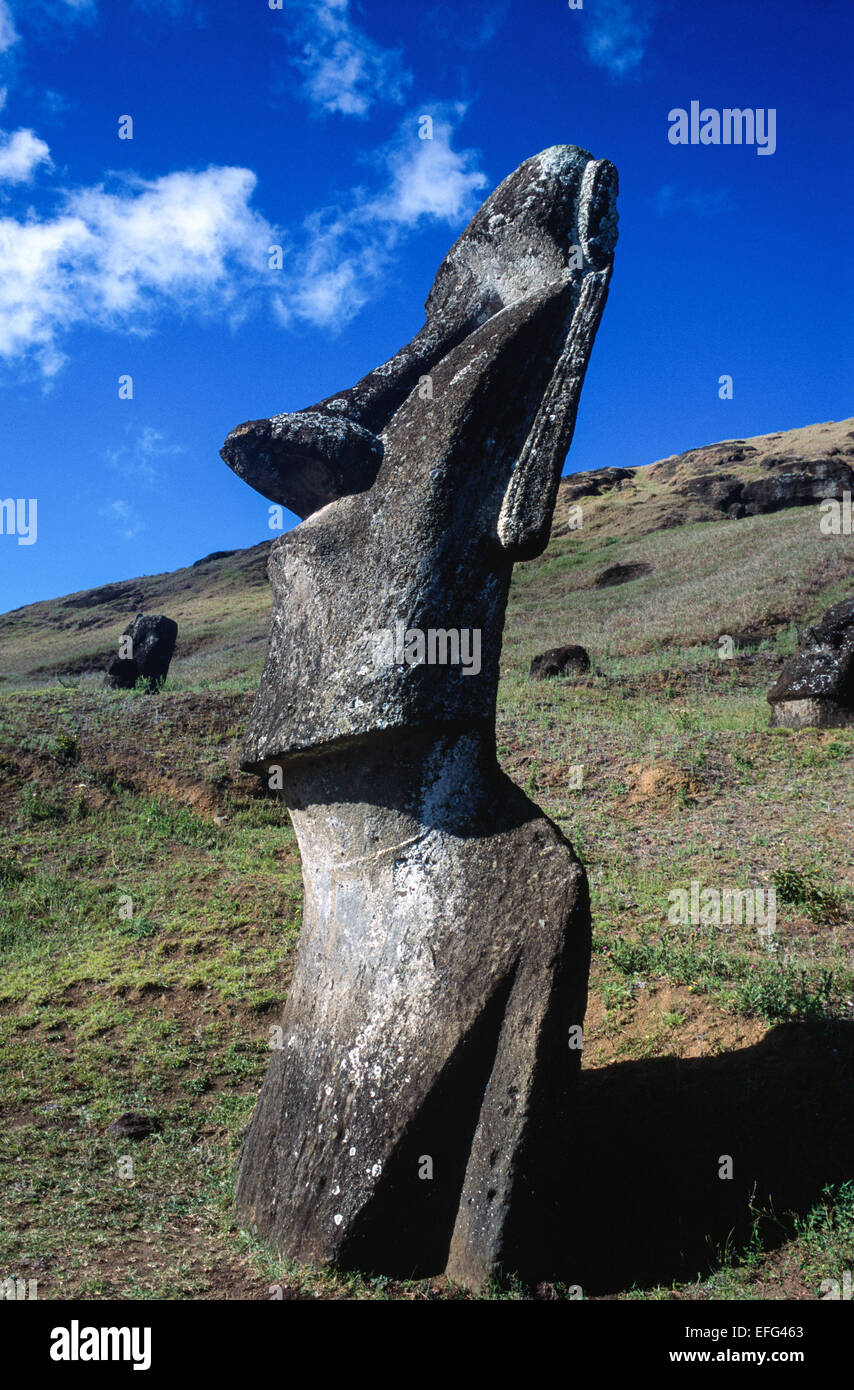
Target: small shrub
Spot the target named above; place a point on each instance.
(802, 888)
(787, 994)
(40, 806)
(139, 928)
(10, 872)
(64, 748)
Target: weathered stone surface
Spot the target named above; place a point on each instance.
(834, 630)
(443, 959)
(560, 661)
(152, 643)
(816, 686)
(596, 482)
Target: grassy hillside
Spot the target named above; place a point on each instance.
(700, 1041)
(221, 605)
(768, 568)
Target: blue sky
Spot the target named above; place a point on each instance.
(298, 126)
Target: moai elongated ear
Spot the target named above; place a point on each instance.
(526, 512)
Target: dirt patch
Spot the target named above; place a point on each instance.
(621, 574)
(206, 799)
(664, 1018)
(142, 745)
(660, 782)
(765, 630)
(209, 1269)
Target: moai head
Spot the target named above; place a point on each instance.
(420, 486)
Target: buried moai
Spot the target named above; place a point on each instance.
(816, 685)
(416, 1114)
(145, 652)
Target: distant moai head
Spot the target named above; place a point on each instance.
(421, 485)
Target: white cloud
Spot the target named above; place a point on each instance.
(120, 257)
(430, 179)
(54, 103)
(179, 236)
(20, 155)
(8, 32)
(344, 70)
(37, 298)
(184, 240)
(350, 249)
(615, 35)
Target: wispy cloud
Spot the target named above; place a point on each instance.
(8, 32)
(21, 152)
(469, 29)
(53, 103)
(186, 240)
(343, 69)
(38, 19)
(616, 33)
(701, 202)
(428, 178)
(349, 248)
(126, 253)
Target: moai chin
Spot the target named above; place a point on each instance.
(417, 1118)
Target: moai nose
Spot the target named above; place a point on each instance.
(304, 460)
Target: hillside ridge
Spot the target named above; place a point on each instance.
(221, 602)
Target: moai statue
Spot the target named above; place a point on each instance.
(417, 1117)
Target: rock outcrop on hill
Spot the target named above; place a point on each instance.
(418, 1115)
(816, 686)
(726, 481)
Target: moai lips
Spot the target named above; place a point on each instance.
(442, 969)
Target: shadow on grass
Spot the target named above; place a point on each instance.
(647, 1204)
